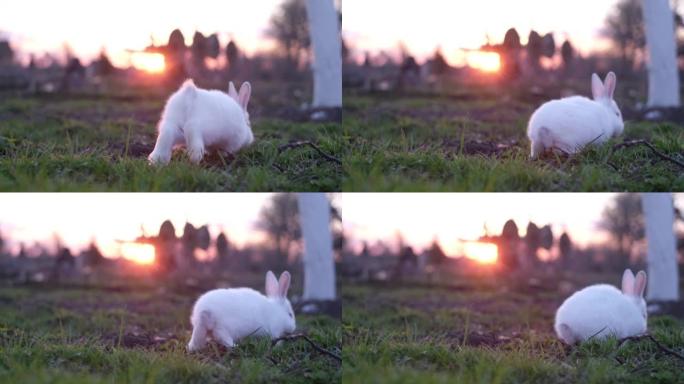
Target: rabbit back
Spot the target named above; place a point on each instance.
(240, 311)
(220, 120)
(596, 312)
(569, 124)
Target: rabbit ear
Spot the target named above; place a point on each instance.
(271, 285)
(628, 282)
(232, 92)
(609, 85)
(245, 93)
(597, 89)
(640, 284)
(284, 284)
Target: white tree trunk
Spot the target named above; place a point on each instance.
(663, 75)
(319, 266)
(663, 275)
(324, 30)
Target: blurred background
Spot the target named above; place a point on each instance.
(151, 47)
(192, 242)
(529, 237)
(529, 49)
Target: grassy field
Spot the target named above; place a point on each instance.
(60, 335)
(82, 143)
(478, 142)
(479, 332)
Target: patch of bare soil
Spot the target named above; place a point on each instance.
(135, 338)
(480, 147)
(135, 149)
(480, 338)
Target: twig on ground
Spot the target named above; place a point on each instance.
(296, 336)
(615, 168)
(596, 334)
(633, 143)
(303, 143)
(656, 342)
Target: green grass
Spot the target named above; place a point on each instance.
(432, 143)
(486, 334)
(98, 336)
(101, 144)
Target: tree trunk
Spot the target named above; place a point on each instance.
(663, 75)
(326, 42)
(663, 275)
(319, 267)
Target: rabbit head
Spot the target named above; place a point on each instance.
(276, 291)
(633, 288)
(242, 98)
(603, 94)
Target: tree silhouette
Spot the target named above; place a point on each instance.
(567, 53)
(508, 245)
(625, 26)
(232, 54)
(533, 240)
(164, 247)
(92, 257)
(624, 222)
(222, 249)
(290, 28)
(280, 220)
(512, 40)
(439, 64)
(436, 255)
(534, 49)
(565, 245)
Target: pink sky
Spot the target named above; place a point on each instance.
(424, 25)
(43, 25)
(421, 217)
(80, 217)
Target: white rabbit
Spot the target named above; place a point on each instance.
(234, 313)
(601, 310)
(203, 119)
(571, 123)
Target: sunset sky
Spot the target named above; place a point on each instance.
(78, 218)
(453, 217)
(42, 25)
(424, 25)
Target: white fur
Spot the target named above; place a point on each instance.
(202, 120)
(601, 310)
(232, 314)
(572, 123)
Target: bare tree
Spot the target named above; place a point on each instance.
(623, 220)
(663, 75)
(289, 28)
(625, 27)
(663, 282)
(319, 267)
(280, 220)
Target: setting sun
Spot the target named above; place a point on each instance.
(148, 62)
(140, 253)
(483, 252)
(484, 61)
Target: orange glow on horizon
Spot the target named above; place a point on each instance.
(148, 62)
(139, 253)
(484, 253)
(484, 61)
